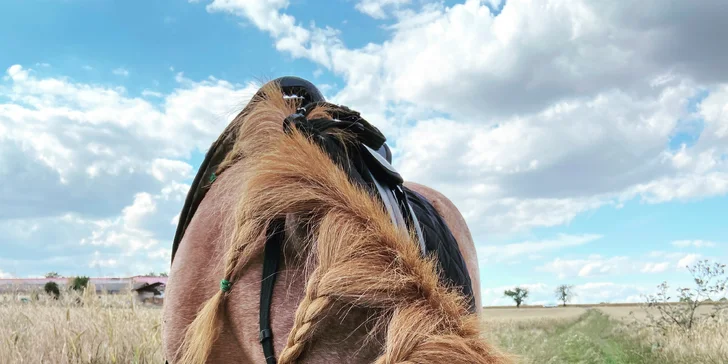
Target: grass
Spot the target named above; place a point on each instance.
(115, 329)
(592, 337)
(602, 335)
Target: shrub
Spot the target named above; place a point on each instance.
(79, 283)
(710, 279)
(51, 288)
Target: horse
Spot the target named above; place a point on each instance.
(350, 286)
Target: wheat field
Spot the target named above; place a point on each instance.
(117, 329)
(79, 329)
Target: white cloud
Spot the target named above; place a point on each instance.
(93, 169)
(609, 292)
(4, 275)
(140, 210)
(376, 8)
(527, 57)
(673, 256)
(150, 93)
(121, 72)
(655, 267)
(508, 251)
(84, 148)
(597, 265)
(693, 243)
(166, 170)
(683, 188)
(582, 97)
(97, 261)
(525, 120)
(714, 110)
(161, 253)
(687, 260)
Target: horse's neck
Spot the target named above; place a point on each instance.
(198, 268)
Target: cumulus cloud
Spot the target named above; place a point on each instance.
(166, 170)
(98, 262)
(94, 174)
(597, 265)
(655, 267)
(377, 8)
(609, 292)
(693, 243)
(72, 147)
(524, 120)
(529, 56)
(583, 98)
(134, 242)
(688, 260)
(498, 253)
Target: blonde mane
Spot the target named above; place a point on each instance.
(355, 255)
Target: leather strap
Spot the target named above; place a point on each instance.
(271, 260)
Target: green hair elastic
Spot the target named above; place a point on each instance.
(225, 285)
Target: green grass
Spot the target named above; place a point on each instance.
(590, 338)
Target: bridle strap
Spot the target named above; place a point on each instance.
(271, 260)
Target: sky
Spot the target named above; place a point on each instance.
(584, 142)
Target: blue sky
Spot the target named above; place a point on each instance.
(586, 154)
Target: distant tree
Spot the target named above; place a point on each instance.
(518, 295)
(52, 275)
(52, 289)
(564, 293)
(163, 275)
(80, 283)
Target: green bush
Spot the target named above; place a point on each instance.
(79, 283)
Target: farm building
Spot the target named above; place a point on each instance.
(147, 289)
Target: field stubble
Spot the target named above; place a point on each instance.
(603, 334)
(115, 329)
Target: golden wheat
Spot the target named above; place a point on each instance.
(79, 329)
(103, 328)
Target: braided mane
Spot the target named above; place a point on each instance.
(357, 257)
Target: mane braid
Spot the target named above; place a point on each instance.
(361, 259)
